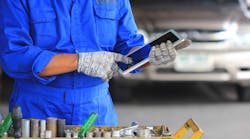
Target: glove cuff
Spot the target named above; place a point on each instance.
(79, 62)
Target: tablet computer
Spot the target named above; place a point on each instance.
(140, 56)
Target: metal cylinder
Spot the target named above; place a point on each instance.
(25, 128)
(16, 116)
(97, 132)
(89, 134)
(143, 133)
(107, 135)
(128, 133)
(60, 127)
(34, 128)
(102, 132)
(42, 128)
(164, 131)
(52, 125)
(75, 134)
(5, 135)
(116, 133)
(68, 133)
(48, 134)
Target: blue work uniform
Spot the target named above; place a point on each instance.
(32, 32)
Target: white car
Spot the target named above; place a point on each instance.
(220, 51)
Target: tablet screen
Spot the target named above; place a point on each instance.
(141, 54)
(168, 36)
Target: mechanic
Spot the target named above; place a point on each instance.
(62, 53)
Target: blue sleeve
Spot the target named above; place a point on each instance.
(128, 36)
(18, 56)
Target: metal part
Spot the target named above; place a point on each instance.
(129, 131)
(25, 128)
(103, 132)
(34, 128)
(116, 133)
(17, 121)
(5, 135)
(107, 135)
(97, 132)
(60, 127)
(42, 128)
(89, 135)
(52, 125)
(67, 133)
(48, 134)
(153, 133)
(164, 131)
(143, 132)
(75, 134)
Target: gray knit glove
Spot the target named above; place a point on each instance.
(162, 54)
(100, 64)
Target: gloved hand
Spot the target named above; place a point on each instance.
(100, 64)
(162, 54)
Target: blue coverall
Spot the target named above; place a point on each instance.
(32, 32)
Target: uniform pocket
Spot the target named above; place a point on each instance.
(106, 24)
(42, 15)
(43, 27)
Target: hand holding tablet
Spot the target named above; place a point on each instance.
(140, 56)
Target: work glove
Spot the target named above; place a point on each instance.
(166, 52)
(100, 64)
(162, 54)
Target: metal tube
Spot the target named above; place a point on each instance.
(17, 121)
(75, 134)
(48, 134)
(52, 125)
(60, 127)
(34, 128)
(115, 133)
(97, 133)
(68, 133)
(42, 128)
(107, 135)
(89, 134)
(25, 128)
(143, 133)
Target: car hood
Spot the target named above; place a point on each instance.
(161, 17)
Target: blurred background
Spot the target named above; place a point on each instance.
(209, 81)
